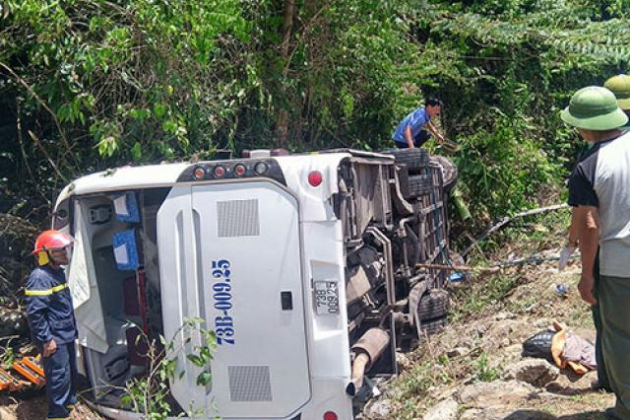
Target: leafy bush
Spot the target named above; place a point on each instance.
(504, 167)
(149, 394)
(93, 84)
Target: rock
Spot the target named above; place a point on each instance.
(571, 383)
(505, 328)
(443, 394)
(5, 414)
(502, 316)
(504, 333)
(513, 350)
(504, 413)
(536, 372)
(446, 410)
(379, 409)
(476, 413)
(481, 330)
(496, 393)
(403, 361)
(543, 323)
(457, 352)
(531, 308)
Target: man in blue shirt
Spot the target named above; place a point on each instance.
(51, 320)
(413, 131)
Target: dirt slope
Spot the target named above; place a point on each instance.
(34, 408)
(474, 369)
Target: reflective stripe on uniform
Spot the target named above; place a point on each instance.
(46, 292)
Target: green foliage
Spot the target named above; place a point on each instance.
(482, 371)
(142, 78)
(472, 299)
(431, 373)
(505, 165)
(7, 352)
(101, 84)
(149, 394)
(519, 62)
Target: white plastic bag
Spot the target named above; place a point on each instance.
(565, 254)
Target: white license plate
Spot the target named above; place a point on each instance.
(326, 297)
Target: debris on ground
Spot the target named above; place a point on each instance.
(478, 366)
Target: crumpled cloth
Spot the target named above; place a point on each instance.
(572, 350)
(577, 349)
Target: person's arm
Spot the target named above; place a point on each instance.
(434, 131)
(573, 231)
(409, 137)
(587, 220)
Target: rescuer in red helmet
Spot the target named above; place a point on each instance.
(51, 320)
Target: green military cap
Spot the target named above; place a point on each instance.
(620, 86)
(594, 108)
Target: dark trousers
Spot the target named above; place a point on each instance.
(61, 378)
(613, 298)
(418, 140)
(602, 376)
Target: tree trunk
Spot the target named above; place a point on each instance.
(282, 122)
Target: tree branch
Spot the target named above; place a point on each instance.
(504, 221)
(44, 105)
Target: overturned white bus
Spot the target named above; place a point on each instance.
(305, 266)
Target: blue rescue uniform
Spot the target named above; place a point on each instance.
(50, 316)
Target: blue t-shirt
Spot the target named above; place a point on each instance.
(416, 120)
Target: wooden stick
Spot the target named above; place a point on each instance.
(478, 270)
(488, 270)
(504, 221)
(45, 152)
(475, 244)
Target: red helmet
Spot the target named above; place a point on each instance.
(51, 239)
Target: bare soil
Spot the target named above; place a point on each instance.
(491, 319)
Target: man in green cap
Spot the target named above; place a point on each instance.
(599, 191)
(620, 86)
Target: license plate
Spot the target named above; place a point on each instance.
(326, 297)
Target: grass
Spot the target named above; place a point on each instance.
(523, 238)
(412, 389)
(423, 376)
(525, 303)
(526, 292)
(472, 298)
(482, 370)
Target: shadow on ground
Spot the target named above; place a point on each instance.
(541, 415)
(32, 408)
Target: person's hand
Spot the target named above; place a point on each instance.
(565, 254)
(585, 287)
(49, 348)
